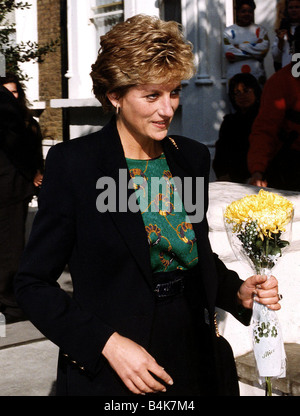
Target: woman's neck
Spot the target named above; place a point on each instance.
(140, 148)
(141, 154)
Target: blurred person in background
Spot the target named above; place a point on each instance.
(274, 152)
(230, 161)
(282, 50)
(246, 44)
(21, 172)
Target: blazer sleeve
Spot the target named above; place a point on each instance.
(229, 284)
(78, 333)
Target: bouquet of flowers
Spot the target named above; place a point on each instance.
(259, 229)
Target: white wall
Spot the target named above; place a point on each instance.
(26, 23)
(82, 48)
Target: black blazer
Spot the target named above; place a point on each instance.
(108, 258)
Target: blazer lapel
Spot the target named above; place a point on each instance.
(112, 163)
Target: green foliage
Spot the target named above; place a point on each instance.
(17, 53)
(262, 253)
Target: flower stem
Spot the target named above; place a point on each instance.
(268, 386)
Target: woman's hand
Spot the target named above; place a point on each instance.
(134, 365)
(257, 180)
(265, 291)
(37, 181)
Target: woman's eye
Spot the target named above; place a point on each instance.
(176, 92)
(152, 96)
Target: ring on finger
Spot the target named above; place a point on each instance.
(279, 296)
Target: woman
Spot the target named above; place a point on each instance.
(142, 273)
(230, 161)
(282, 48)
(21, 164)
(246, 43)
(35, 152)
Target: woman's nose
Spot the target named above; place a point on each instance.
(166, 108)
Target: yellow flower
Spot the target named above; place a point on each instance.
(270, 211)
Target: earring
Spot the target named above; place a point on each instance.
(117, 109)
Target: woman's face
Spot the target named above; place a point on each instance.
(244, 96)
(12, 87)
(245, 15)
(294, 10)
(146, 111)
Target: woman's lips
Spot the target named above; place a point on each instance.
(160, 124)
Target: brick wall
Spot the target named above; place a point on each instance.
(50, 70)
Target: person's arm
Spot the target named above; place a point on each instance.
(257, 179)
(234, 293)
(278, 45)
(232, 51)
(78, 333)
(259, 48)
(135, 366)
(264, 138)
(38, 178)
(263, 289)
(38, 146)
(36, 139)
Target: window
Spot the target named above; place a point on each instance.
(7, 37)
(170, 10)
(106, 14)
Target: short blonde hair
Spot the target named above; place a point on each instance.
(141, 50)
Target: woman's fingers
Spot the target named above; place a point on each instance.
(147, 384)
(160, 372)
(268, 297)
(150, 378)
(135, 366)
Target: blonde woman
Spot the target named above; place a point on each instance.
(142, 268)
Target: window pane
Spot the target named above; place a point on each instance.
(106, 14)
(171, 10)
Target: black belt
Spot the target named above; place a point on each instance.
(163, 290)
(172, 283)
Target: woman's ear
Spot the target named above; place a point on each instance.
(113, 98)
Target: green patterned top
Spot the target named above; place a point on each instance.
(170, 234)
